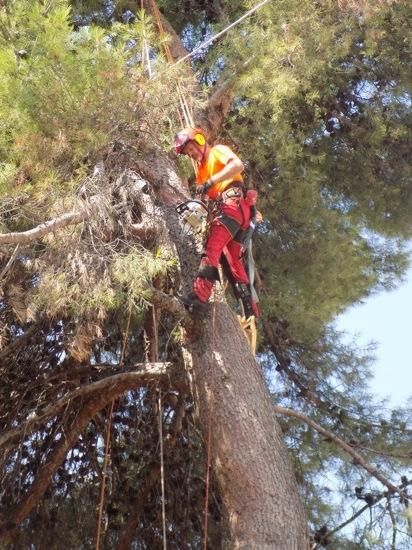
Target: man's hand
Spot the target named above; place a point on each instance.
(204, 187)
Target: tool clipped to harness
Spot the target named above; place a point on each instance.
(251, 199)
(193, 214)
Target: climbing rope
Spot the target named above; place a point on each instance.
(185, 113)
(145, 49)
(221, 33)
(104, 475)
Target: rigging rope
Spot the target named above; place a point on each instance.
(209, 427)
(162, 470)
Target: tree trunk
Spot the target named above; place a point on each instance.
(256, 481)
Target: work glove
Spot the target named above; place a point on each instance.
(204, 188)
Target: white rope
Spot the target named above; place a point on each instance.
(219, 34)
(149, 67)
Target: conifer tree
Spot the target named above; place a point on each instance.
(99, 360)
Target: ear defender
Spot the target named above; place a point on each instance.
(200, 139)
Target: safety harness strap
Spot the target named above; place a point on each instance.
(231, 224)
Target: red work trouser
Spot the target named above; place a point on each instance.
(233, 216)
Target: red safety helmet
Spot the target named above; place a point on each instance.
(183, 137)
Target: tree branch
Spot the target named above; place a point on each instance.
(324, 537)
(18, 342)
(175, 45)
(358, 459)
(70, 218)
(173, 306)
(213, 116)
(124, 381)
(9, 263)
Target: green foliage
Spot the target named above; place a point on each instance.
(64, 94)
(138, 269)
(321, 118)
(81, 286)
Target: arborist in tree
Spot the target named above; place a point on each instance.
(219, 177)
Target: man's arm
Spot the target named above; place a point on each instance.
(231, 169)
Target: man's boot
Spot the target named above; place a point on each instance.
(193, 304)
(243, 293)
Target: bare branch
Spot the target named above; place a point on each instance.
(70, 218)
(358, 459)
(104, 392)
(124, 381)
(9, 263)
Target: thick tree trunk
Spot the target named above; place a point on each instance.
(256, 480)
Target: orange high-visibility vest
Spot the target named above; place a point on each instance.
(218, 157)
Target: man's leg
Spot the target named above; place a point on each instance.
(208, 273)
(218, 238)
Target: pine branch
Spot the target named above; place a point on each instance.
(323, 536)
(358, 459)
(103, 392)
(352, 518)
(283, 365)
(18, 342)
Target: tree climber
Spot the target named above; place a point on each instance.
(219, 177)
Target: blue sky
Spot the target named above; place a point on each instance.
(387, 320)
